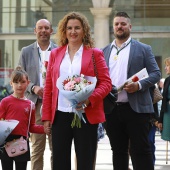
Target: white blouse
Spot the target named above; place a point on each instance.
(68, 68)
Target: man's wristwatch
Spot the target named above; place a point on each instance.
(32, 89)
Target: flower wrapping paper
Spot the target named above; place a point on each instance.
(74, 97)
(142, 74)
(6, 127)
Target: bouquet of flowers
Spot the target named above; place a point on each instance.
(6, 127)
(76, 89)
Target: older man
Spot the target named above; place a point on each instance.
(31, 61)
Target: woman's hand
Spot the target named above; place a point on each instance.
(47, 130)
(47, 127)
(82, 105)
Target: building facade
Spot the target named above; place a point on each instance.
(150, 24)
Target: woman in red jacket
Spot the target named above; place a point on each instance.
(74, 56)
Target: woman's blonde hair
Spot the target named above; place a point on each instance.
(60, 36)
(167, 61)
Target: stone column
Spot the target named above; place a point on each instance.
(23, 13)
(8, 16)
(101, 14)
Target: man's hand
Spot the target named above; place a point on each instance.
(132, 87)
(38, 91)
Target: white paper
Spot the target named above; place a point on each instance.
(6, 127)
(45, 55)
(141, 74)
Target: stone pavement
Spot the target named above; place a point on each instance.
(104, 157)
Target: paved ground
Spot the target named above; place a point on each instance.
(104, 161)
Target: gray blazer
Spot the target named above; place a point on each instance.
(29, 60)
(140, 57)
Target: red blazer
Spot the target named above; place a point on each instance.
(94, 111)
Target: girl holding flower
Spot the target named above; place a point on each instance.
(17, 107)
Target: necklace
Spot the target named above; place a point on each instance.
(118, 50)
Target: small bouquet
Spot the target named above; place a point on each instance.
(133, 79)
(138, 76)
(6, 127)
(45, 59)
(76, 89)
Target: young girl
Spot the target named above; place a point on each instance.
(17, 107)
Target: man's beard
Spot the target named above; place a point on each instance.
(123, 36)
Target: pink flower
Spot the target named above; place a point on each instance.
(75, 83)
(70, 85)
(77, 79)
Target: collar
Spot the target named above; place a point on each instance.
(80, 50)
(48, 49)
(124, 44)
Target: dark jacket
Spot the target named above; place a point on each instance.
(165, 99)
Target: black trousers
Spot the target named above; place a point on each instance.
(8, 165)
(20, 161)
(85, 141)
(122, 126)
